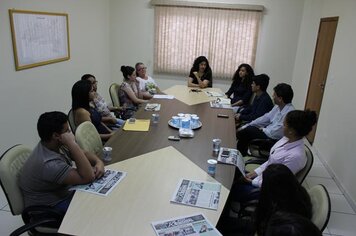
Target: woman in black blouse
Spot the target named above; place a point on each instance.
(241, 86)
(200, 74)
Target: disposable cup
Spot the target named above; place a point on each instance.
(212, 166)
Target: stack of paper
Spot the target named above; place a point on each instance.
(137, 125)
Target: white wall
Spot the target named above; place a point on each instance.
(133, 39)
(335, 137)
(25, 94)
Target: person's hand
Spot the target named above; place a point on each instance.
(237, 117)
(113, 120)
(251, 175)
(244, 180)
(99, 169)
(67, 138)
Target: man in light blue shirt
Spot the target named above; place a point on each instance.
(270, 125)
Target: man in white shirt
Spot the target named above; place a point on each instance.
(270, 125)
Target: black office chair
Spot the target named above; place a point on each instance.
(39, 220)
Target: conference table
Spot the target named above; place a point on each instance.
(154, 166)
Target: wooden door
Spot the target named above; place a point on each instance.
(320, 68)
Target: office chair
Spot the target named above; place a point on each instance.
(71, 122)
(302, 174)
(89, 139)
(37, 219)
(320, 200)
(114, 94)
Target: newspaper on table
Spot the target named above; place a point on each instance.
(213, 94)
(186, 225)
(104, 185)
(232, 157)
(163, 96)
(197, 193)
(153, 107)
(221, 103)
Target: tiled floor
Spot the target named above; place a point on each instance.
(342, 219)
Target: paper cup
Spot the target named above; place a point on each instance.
(107, 154)
(212, 166)
(216, 144)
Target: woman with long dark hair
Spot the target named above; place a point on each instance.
(280, 191)
(200, 74)
(82, 94)
(241, 86)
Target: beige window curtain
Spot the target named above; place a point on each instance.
(227, 37)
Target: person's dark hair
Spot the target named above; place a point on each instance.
(284, 91)
(290, 224)
(49, 123)
(280, 191)
(196, 63)
(126, 71)
(261, 80)
(301, 121)
(87, 76)
(138, 64)
(80, 94)
(249, 75)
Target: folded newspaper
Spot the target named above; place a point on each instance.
(221, 103)
(186, 225)
(232, 157)
(197, 193)
(213, 94)
(153, 107)
(104, 185)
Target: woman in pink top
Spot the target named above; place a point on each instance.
(288, 151)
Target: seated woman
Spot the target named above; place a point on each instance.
(288, 151)
(82, 94)
(147, 84)
(129, 93)
(200, 74)
(107, 113)
(280, 191)
(241, 86)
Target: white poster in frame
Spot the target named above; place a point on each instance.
(39, 38)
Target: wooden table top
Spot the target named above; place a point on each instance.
(144, 194)
(128, 144)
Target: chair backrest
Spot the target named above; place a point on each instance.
(11, 163)
(72, 125)
(114, 94)
(320, 200)
(310, 160)
(89, 139)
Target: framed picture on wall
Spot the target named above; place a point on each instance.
(39, 38)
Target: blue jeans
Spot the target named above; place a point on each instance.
(64, 204)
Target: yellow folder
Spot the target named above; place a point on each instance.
(138, 125)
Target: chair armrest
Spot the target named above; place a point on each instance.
(261, 147)
(38, 213)
(255, 160)
(32, 225)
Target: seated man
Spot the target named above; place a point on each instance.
(48, 172)
(270, 125)
(102, 107)
(262, 102)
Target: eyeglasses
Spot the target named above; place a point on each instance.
(142, 68)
